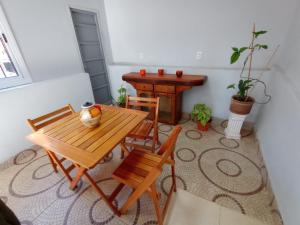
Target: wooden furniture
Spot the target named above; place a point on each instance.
(143, 130)
(140, 171)
(168, 87)
(86, 147)
(42, 121)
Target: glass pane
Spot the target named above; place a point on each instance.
(165, 108)
(7, 68)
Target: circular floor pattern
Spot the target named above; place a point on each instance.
(234, 171)
(20, 158)
(26, 222)
(165, 128)
(277, 218)
(219, 128)
(49, 169)
(151, 222)
(193, 134)
(229, 143)
(240, 185)
(167, 181)
(64, 187)
(227, 200)
(4, 199)
(21, 180)
(162, 138)
(186, 154)
(265, 175)
(92, 216)
(96, 211)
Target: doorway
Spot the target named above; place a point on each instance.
(89, 41)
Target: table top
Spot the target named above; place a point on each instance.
(84, 146)
(172, 79)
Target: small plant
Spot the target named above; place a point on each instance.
(246, 82)
(122, 96)
(202, 113)
(243, 86)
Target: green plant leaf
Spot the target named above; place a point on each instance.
(257, 33)
(264, 46)
(231, 86)
(242, 49)
(234, 57)
(235, 49)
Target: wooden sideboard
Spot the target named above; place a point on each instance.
(168, 87)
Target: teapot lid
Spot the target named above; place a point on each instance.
(87, 105)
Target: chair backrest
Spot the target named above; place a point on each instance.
(49, 118)
(137, 102)
(166, 150)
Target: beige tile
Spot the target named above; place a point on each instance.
(230, 217)
(189, 209)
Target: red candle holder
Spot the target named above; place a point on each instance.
(142, 72)
(160, 72)
(179, 73)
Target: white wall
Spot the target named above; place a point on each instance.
(46, 37)
(34, 100)
(278, 128)
(169, 32)
(43, 32)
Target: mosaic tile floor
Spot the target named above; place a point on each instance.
(228, 172)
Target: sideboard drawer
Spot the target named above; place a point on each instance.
(164, 88)
(144, 87)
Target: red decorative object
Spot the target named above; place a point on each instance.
(98, 106)
(160, 72)
(179, 73)
(143, 72)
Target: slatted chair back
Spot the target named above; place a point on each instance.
(140, 102)
(49, 118)
(167, 149)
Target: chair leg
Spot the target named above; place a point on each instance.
(122, 150)
(52, 162)
(173, 173)
(156, 202)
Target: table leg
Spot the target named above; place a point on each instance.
(79, 174)
(124, 149)
(101, 193)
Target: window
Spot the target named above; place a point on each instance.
(13, 71)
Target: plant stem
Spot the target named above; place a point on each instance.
(251, 55)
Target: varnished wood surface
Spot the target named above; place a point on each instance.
(153, 78)
(141, 169)
(143, 130)
(84, 146)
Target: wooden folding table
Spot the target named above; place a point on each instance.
(85, 147)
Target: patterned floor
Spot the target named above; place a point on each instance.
(228, 172)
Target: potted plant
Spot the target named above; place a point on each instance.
(202, 114)
(121, 101)
(241, 103)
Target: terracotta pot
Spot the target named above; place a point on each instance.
(203, 128)
(241, 107)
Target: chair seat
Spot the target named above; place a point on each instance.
(143, 130)
(136, 167)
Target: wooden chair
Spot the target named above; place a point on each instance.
(140, 171)
(143, 130)
(42, 121)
